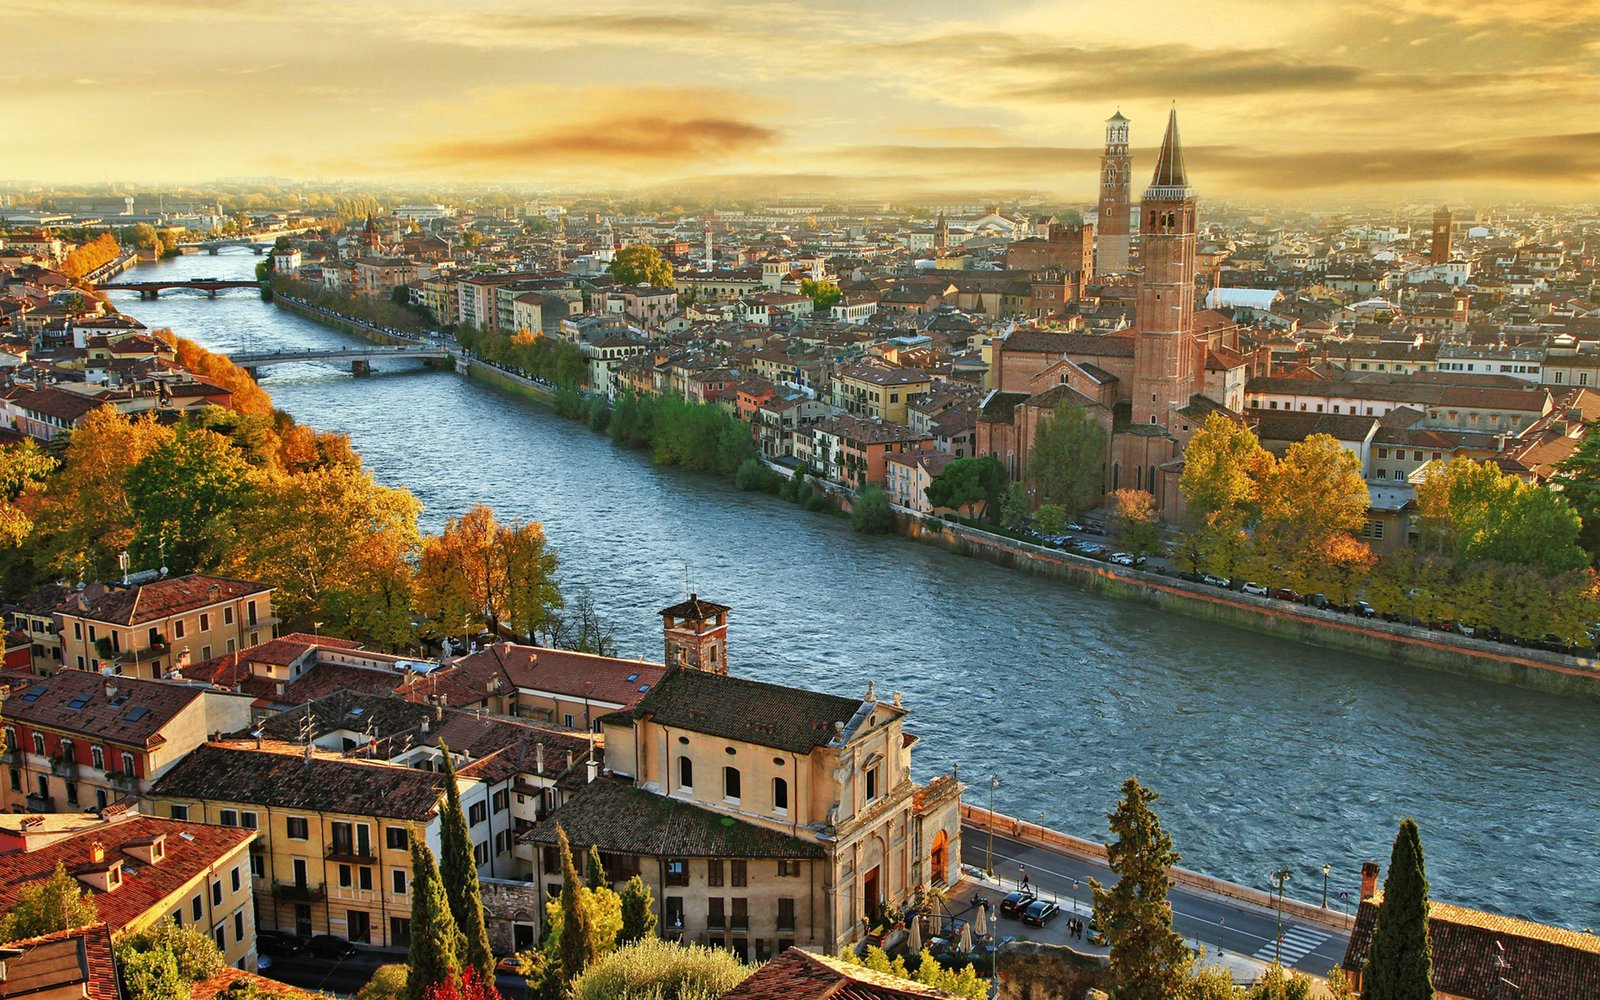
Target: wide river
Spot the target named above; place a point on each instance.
(1265, 752)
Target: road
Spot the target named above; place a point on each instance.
(1225, 928)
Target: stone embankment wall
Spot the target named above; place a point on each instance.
(1028, 970)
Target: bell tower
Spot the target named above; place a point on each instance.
(1164, 356)
(1112, 229)
(1439, 249)
(696, 635)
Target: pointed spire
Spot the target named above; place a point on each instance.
(1170, 171)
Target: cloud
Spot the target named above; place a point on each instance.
(1565, 161)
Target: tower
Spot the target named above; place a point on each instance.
(1439, 251)
(941, 233)
(369, 238)
(559, 243)
(696, 634)
(711, 255)
(1113, 224)
(1164, 353)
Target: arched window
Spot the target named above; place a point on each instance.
(780, 795)
(685, 774)
(730, 784)
(1116, 475)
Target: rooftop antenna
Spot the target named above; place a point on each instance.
(122, 561)
(687, 589)
(305, 734)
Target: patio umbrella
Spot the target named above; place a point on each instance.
(914, 935)
(982, 921)
(966, 937)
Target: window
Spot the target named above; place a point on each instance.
(477, 813)
(872, 783)
(238, 926)
(786, 913)
(399, 931)
(714, 872)
(344, 877)
(730, 784)
(16, 779)
(197, 907)
(398, 882)
(677, 871)
(674, 913)
(296, 828)
(99, 757)
(222, 937)
(715, 918)
(788, 868)
(181, 812)
(480, 852)
(737, 869)
(237, 878)
(780, 795)
(502, 799)
(398, 838)
(364, 878)
(205, 622)
(38, 744)
(216, 893)
(567, 720)
(247, 820)
(258, 866)
(72, 792)
(127, 764)
(228, 817)
(227, 616)
(1383, 452)
(177, 628)
(741, 914)
(300, 871)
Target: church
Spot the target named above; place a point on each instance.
(1150, 388)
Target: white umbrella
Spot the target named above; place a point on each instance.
(982, 921)
(966, 937)
(914, 935)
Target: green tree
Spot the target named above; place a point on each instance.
(824, 294)
(575, 947)
(594, 870)
(1066, 462)
(183, 496)
(1578, 479)
(1148, 960)
(753, 476)
(638, 912)
(1399, 963)
(388, 982)
(1051, 518)
(52, 904)
(434, 937)
(641, 264)
(653, 969)
(1278, 984)
(459, 870)
(871, 514)
(970, 482)
(1014, 508)
(151, 975)
(193, 951)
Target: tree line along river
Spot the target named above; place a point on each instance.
(1266, 752)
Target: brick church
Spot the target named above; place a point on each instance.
(1150, 388)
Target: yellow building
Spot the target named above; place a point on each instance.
(869, 390)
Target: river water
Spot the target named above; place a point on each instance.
(1266, 752)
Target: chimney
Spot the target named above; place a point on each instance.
(538, 757)
(111, 691)
(1369, 879)
(569, 758)
(97, 852)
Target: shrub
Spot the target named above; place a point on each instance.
(652, 969)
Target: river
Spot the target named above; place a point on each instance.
(1266, 752)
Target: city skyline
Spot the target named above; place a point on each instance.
(1316, 102)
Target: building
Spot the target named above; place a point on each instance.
(79, 740)
(851, 451)
(1439, 245)
(877, 391)
(1113, 215)
(74, 964)
(141, 870)
(907, 477)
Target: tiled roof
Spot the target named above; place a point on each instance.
(77, 960)
(191, 850)
(285, 649)
(279, 776)
(611, 814)
(148, 602)
(210, 989)
(1544, 962)
(801, 975)
(695, 608)
(140, 710)
(735, 708)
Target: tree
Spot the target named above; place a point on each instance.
(1014, 508)
(753, 476)
(594, 870)
(638, 912)
(479, 571)
(580, 628)
(1066, 462)
(824, 294)
(52, 904)
(641, 264)
(1578, 479)
(871, 514)
(1278, 984)
(1135, 523)
(434, 936)
(1399, 963)
(388, 982)
(1220, 466)
(653, 969)
(963, 982)
(1051, 519)
(151, 975)
(469, 986)
(1148, 961)
(459, 869)
(1341, 565)
(575, 946)
(1338, 985)
(1477, 513)
(194, 952)
(1307, 498)
(970, 482)
(22, 467)
(183, 496)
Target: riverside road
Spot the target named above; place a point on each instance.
(1268, 753)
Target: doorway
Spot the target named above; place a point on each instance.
(871, 900)
(939, 861)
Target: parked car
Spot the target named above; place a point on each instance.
(510, 965)
(1016, 902)
(1092, 549)
(1319, 601)
(330, 946)
(279, 943)
(1285, 594)
(1074, 526)
(1093, 529)
(1363, 609)
(1256, 589)
(1040, 911)
(1096, 935)
(1127, 559)
(1214, 581)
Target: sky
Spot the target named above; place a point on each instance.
(1289, 100)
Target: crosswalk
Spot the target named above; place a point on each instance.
(1298, 942)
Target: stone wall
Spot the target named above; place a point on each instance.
(507, 902)
(1027, 970)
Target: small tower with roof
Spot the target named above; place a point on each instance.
(696, 635)
(1443, 223)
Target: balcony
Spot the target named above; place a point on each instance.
(352, 854)
(11, 756)
(300, 892)
(123, 781)
(41, 803)
(64, 767)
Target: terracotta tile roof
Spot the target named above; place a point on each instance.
(149, 602)
(191, 850)
(136, 715)
(562, 671)
(735, 708)
(1544, 962)
(285, 649)
(801, 975)
(278, 775)
(210, 989)
(77, 960)
(694, 607)
(616, 817)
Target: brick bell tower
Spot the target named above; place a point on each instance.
(1439, 249)
(696, 634)
(1112, 227)
(1164, 357)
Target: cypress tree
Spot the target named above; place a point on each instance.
(1399, 963)
(1148, 961)
(594, 874)
(460, 871)
(573, 948)
(638, 912)
(433, 957)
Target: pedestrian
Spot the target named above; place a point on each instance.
(1024, 871)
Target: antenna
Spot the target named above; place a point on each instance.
(687, 589)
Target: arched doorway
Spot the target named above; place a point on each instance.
(940, 858)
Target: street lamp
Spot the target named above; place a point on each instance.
(1282, 875)
(1326, 869)
(994, 782)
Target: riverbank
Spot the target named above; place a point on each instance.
(1383, 641)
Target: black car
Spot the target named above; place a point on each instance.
(1097, 935)
(279, 943)
(1039, 912)
(1016, 902)
(329, 946)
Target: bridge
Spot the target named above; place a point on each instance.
(215, 247)
(153, 289)
(360, 359)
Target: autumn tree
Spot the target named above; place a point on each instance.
(1308, 498)
(481, 571)
(183, 495)
(22, 467)
(1221, 493)
(1066, 462)
(641, 264)
(1148, 960)
(1135, 522)
(824, 294)
(1339, 568)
